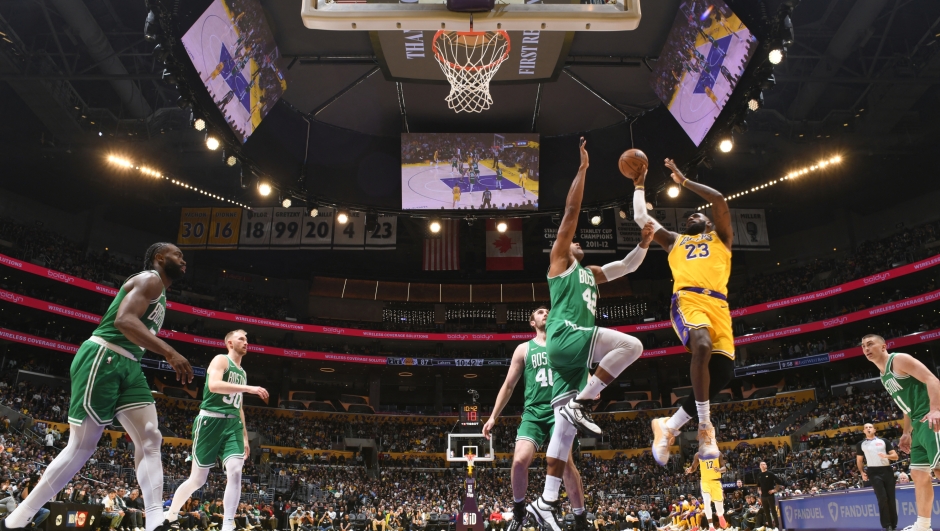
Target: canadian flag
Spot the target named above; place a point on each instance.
(504, 249)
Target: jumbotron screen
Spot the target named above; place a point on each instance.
(234, 52)
(462, 171)
(702, 61)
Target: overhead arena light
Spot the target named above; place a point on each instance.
(199, 124)
(264, 189)
(777, 55)
(755, 102)
(435, 227)
(501, 226)
(156, 174)
(212, 142)
(795, 174)
(314, 211)
(286, 203)
(673, 191)
(342, 217)
(726, 145)
(596, 219)
(230, 160)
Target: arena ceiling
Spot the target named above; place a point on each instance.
(80, 81)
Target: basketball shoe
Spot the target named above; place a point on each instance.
(578, 413)
(544, 514)
(663, 438)
(707, 445)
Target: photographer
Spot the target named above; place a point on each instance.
(27, 486)
(326, 521)
(7, 500)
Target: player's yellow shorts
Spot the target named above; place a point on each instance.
(713, 489)
(703, 309)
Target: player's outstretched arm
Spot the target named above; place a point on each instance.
(516, 368)
(630, 263)
(693, 465)
(569, 222)
(140, 290)
(663, 237)
(721, 214)
(907, 364)
(722, 464)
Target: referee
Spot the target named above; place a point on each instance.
(767, 483)
(880, 475)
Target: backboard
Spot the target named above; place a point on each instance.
(460, 444)
(508, 15)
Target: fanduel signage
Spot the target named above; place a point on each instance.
(854, 509)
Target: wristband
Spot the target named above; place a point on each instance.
(684, 180)
(640, 187)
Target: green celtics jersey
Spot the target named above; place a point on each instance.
(909, 393)
(538, 377)
(230, 404)
(574, 298)
(152, 319)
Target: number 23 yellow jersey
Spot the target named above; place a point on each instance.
(700, 261)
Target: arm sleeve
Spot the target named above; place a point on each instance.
(629, 264)
(640, 216)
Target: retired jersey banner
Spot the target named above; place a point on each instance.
(383, 234)
(351, 235)
(286, 227)
(256, 228)
(750, 229)
(224, 228)
(318, 231)
(504, 249)
(194, 228)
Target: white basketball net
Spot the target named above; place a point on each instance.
(469, 61)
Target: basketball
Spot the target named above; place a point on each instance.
(633, 163)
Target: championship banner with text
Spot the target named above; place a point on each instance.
(224, 228)
(749, 225)
(194, 228)
(870, 280)
(593, 239)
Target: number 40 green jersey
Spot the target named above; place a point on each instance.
(226, 404)
(538, 378)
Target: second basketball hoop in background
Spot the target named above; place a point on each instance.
(469, 60)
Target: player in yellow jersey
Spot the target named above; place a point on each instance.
(700, 259)
(456, 192)
(711, 471)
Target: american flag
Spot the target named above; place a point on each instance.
(442, 250)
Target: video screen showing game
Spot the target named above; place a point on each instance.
(702, 61)
(234, 52)
(461, 171)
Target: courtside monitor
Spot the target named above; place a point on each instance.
(233, 49)
(702, 61)
(460, 171)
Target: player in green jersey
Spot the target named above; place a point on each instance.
(916, 390)
(574, 344)
(108, 382)
(530, 362)
(219, 431)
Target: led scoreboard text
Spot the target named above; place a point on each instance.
(469, 414)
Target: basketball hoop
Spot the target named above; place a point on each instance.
(469, 60)
(469, 463)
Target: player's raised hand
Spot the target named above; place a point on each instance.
(584, 154)
(488, 427)
(904, 444)
(933, 420)
(676, 173)
(260, 391)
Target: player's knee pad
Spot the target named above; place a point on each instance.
(562, 436)
(614, 351)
